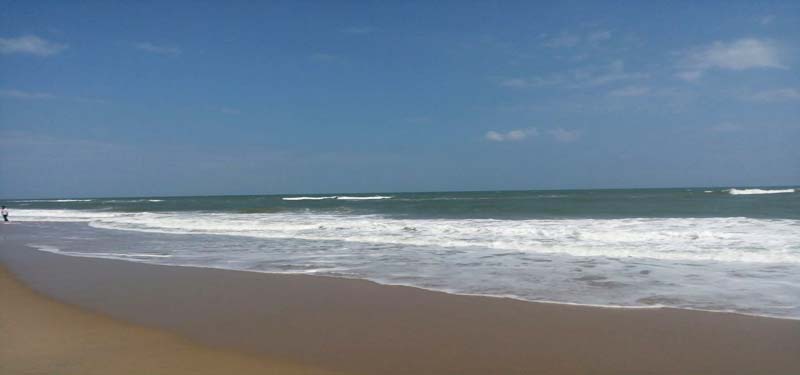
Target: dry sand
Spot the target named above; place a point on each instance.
(358, 326)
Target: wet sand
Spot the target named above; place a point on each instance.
(361, 327)
(41, 336)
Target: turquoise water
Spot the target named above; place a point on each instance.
(719, 249)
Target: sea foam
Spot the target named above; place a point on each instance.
(344, 198)
(759, 191)
(735, 239)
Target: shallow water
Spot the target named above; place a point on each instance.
(711, 249)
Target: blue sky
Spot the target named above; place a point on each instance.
(178, 98)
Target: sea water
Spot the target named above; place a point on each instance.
(718, 249)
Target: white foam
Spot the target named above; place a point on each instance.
(375, 197)
(52, 249)
(53, 200)
(64, 215)
(759, 191)
(306, 198)
(697, 239)
(133, 200)
(347, 198)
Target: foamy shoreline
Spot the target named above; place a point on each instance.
(685, 263)
(358, 326)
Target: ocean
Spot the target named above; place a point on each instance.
(717, 249)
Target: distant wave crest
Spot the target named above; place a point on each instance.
(759, 191)
(344, 198)
(374, 197)
(306, 198)
(51, 200)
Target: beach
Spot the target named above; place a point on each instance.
(103, 315)
(39, 335)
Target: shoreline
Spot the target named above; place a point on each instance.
(444, 291)
(358, 326)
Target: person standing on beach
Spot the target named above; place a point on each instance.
(5, 213)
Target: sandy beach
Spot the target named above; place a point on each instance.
(87, 315)
(43, 336)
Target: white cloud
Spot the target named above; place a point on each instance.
(17, 94)
(630, 91)
(777, 95)
(565, 135)
(599, 36)
(741, 54)
(513, 135)
(159, 50)
(30, 44)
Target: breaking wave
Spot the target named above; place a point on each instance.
(759, 191)
(345, 198)
(736, 239)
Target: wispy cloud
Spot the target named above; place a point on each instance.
(565, 135)
(597, 75)
(570, 40)
(30, 95)
(766, 20)
(615, 71)
(158, 50)
(777, 95)
(358, 30)
(521, 83)
(599, 36)
(512, 135)
(564, 40)
(31, 45)
(630, 91)
(741, 54)
(17, 94)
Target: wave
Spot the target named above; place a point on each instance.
(132, 200)
(697, 239)
(344, 198)
(53, 249)
(52, 200)
(306, 198)
(759, 191)
(375, 197)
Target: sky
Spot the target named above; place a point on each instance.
(154, 98)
